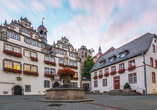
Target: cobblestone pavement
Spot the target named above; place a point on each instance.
(101, 102)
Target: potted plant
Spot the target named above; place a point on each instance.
(100, 76)
(127, 88)
(131, 68)
(113, 72)
(121, 71)
(106, 74)
(95, 77)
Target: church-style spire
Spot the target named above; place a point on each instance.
(99, 49)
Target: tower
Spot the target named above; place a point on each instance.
(42, 32)
(99, 49)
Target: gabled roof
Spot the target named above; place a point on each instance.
(135, 48)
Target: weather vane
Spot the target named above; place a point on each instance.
(42, 20)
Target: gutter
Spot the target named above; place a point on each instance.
(145, 79)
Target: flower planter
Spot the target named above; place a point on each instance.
(100, 76)
(131, 68)
(34, 59)
(61, 64)
(113, 72)
(49, 75)
(121, 71)
(50, 63)
(106, 74)
(31, 73)
(95, 77)
(66, 72)
(127, 90)
(12, 70)
(75, 78)
(16, 54)
(75, 67)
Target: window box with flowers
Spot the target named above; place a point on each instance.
(31, 73)
(95, 77)
(121, 71)
(16, 54)
(50, 63)
(131, 68)
(12, 70)
(49, 75)
(34, 58)
(75, 67)
(113, 72)
(61, 64)
(75, 78)
(100, 76)
(106, 74)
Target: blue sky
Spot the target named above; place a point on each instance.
(86, 22)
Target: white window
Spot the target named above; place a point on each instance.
(10, 34)
(33, 54)
(16, 66)
(71, 63)
(27, 88)
(131, 63)
(95, 84)
(105, 82)
(106, 70)
(32, 42)
(39, 45)
(52, 71)
(114, 68)
(75, 64)
(46, 83)
(73, 55)
(47, 70)
(16, 37)
(122, 66)
(132, 78)
(95, 74)
(52, 60)
(8, 64)
(28, 32)
(60, 61)
(23, 30)
(101, 72)
(56, 51)
(47, 58)
(8, 47)
(16, 49)
(28, 41)
(33, 69)
(26, 67)
(27, 53)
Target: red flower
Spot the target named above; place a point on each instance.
(49, 75)
(75, 67)
(95, 77)
(31, 73)
(34, 58)
(75, 78)
(113, 72)
(16, 54)
(12, 70)
(50, 63)
(131, 68)
(121, 71)
(106, 74)
(100, 76)
(66, 72)
(61, 64)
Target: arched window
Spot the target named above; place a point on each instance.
(82, 54)
(85, 54)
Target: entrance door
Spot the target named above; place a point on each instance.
(55, 84)
(17, 90)
(116, 82)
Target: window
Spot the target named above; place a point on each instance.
(82, 54)
(100, 72)
(39, 45)
(28, 32)
(121, 66)
(153, 48)
(73, 55)
(28, 41)
(123, 55)
(27, 88)
(95, 83)
(16, 66)
(33, 69)
(56, 51)
(23, 30)
(85, 54)
(8, 47)
(104, 82)
(46, 84)
(75, 64)
(16, 37)
(26, 67)
(153, 77)
(33, 54)
(61, 52)
(111, 59)
(16, 49)
(74, 84)
(7, 64)
(71, 63)
(27, 53)
(132, 63)
(52, 60)
(52, 71)
(95, 74)
(66, 47)
(10, 34)
(107, 70)
(63, 46)
(132, 78)
(32, 42)
(155, 63)
(113, 68)
(47, 70)
(151, 62)
(60, 61)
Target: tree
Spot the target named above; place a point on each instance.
(87, 66)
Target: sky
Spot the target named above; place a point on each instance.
(86, 22)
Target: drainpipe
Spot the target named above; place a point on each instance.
(145, 79)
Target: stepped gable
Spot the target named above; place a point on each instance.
(134, 48)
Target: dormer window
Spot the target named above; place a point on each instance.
(118, 56)
(123, 55)
(107, 60)
(111, 59)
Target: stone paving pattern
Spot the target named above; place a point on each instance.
(101, 102)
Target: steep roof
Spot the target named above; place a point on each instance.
(134, 48)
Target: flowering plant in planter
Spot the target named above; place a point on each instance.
(31, 73)
(131, 68)
(121, 71)
(100, 76)
(50, 63)
(75, 67)
(49, 75)
(95, 77)
(66, 72)
(106, 74)
(34, 58)
(61, 64)
(12, 70)
(75, 78)
(113, 72)
(16, 54)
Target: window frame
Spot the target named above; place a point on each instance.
(112, 67)
(129, 78)
(38, 45)
(153, 48)
(100, 71)
(9, 64)
(94, 74)
(130, 61)
(121, 64)
(103, 82)
(94, 83)
(29, 53)
(106, 69)
(33, 42)
(151, 62)
(45, 84)
(155, 63)
(153, 78)
(29, 88)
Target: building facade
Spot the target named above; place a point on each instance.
(28, 64)
(126, 64)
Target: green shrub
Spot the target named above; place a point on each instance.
(126, 85)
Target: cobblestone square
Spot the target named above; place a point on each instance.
(101, 102)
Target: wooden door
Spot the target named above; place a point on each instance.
(17, 90)
(116, 84)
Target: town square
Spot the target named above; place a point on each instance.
(78, 55)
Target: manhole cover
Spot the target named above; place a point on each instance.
(55, 105)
